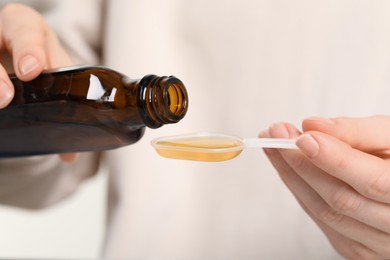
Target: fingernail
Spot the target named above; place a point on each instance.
(322, 120)
(28, 64)
(6, 93)
(308, 145)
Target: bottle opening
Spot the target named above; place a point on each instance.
(175, 99)
(165, 100)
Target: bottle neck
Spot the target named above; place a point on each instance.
(162, 100)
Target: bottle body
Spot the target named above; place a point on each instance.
(77, 109)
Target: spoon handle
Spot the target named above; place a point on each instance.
(270, 143)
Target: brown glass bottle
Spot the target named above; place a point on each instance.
(86, 109)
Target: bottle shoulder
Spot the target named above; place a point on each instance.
(84, 83)
(82, 68)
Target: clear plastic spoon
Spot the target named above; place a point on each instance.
(213, 147)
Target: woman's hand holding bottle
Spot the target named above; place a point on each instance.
(28, 46)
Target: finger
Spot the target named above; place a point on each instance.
(68, 157)
(367, 174)
(370, 134)
(24, 38)
(57, 57)
(338, 195)
(275, 158)
(345, 246)
(6, 88)
(371, 237)
(286, 131)
(311, 202)
(349, 228)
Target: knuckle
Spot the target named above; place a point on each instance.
(298, 163)
(327, 214)
(379, 188)
(345, 200)
(361, 252)
(351, 249)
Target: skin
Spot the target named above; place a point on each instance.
(341, 177)
(27, 46)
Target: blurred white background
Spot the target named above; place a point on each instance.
(71, 229)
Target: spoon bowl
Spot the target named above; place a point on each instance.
(212, 147)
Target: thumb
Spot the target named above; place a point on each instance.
(369, 134)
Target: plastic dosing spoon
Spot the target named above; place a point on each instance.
(211, 147)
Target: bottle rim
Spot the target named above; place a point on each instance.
(165, 100)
